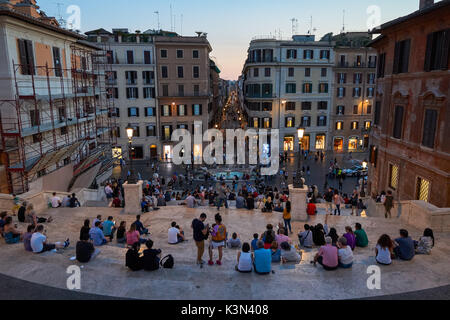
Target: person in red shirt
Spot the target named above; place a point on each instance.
(311, 210)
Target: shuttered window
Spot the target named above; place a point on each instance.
(57, 62)
(26, 56)
(437, 52)
(429, 128)
(401, 56)
(377, 117)
(398, 122)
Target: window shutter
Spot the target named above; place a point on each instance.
(396, 58)
(295, 54)
(405, 58)
(30, 56)
(293, 122)
(129, 112)
(429, 128)
(398, 122)
(137, 111)
(445, 50)
(162, 110)
(23, 56)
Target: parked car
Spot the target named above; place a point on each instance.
(353, 172)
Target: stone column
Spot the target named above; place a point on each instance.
(298, 200)
(132, 196)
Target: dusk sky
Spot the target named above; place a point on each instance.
(231, 24)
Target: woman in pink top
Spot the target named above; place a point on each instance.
(327, 256)
(133, 235)
(337, 202)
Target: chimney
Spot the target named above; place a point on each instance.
(425, 4)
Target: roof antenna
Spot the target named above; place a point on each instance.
(343, 21)
(157, 14)
(294, 26)
(61, 20)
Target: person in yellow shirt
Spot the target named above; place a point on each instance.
(287, 216)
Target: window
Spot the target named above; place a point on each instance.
(340, 110)
(149, 92)
(368, 109)
(340, 125)
(197, 110)
(429, 128)
(354, 125)
(132, 93)
(401, 56)
(267, 123)
(377, 116)
(254, 106)
(307, 72)
(321, 121)
(306, 122)
(163, 53)
(165, 90)
(381, 65)
(180, 71)
(423, 189)
(393, 176)
(370, 92)
(167, 132)
(291, 72)
(150, 112)
(181, 110)
(306, 105)
(342, 78)
(266, 106)
(372, 61)
(63, 130)
(324, 72)
(196, 90)
(133, 112)
(130, 57)
(341, 92)
(357, 78)
(131, 77)
(110, 56)
(267, 90)
(291, 88)
(290, 106)
(166, 110)
(148, 77)
(307, 88)
(195, 54)
(437, 52)
(308, 54)
(62, 114)
(324, 54)
(290, 122)
(37, 137)
(147, 57)
(256, 72)
(196, 72)
(111, 78)
(357, 92)
(358, 61)
(367, 125)
(57, 62)
(371, 78)
(322, 105)
(151, 130)
(355, 109)
(291, 54)
(320, 142)
(255, 122)
(164, 72)
(323, 88)
(398, 122)
(267, 72)
(180, 54)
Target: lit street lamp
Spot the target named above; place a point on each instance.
(131, 178)
(298, 180)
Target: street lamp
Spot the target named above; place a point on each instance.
(363, 192)
(131, 178)
(298, 181)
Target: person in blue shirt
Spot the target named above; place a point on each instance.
(263, 259)
(405, 249)
(139, 226)
(255, 242)
(109, 228)
(97, 236)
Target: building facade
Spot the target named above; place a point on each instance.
(411, 150)
(53, 106)
(133, 82)
(354, 91)
(288, 84)
(184, 88)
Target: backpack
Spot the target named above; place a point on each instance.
(318, 237)
(167, 262)
(221, 234)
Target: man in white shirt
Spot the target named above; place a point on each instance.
(175, 234)
(39, 243)
(190, 201)
(56, 201)
(345, 254)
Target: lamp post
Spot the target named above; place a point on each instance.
(298, 181)
(131, 178)
(363, 192)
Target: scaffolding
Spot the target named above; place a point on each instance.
(57, 116)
